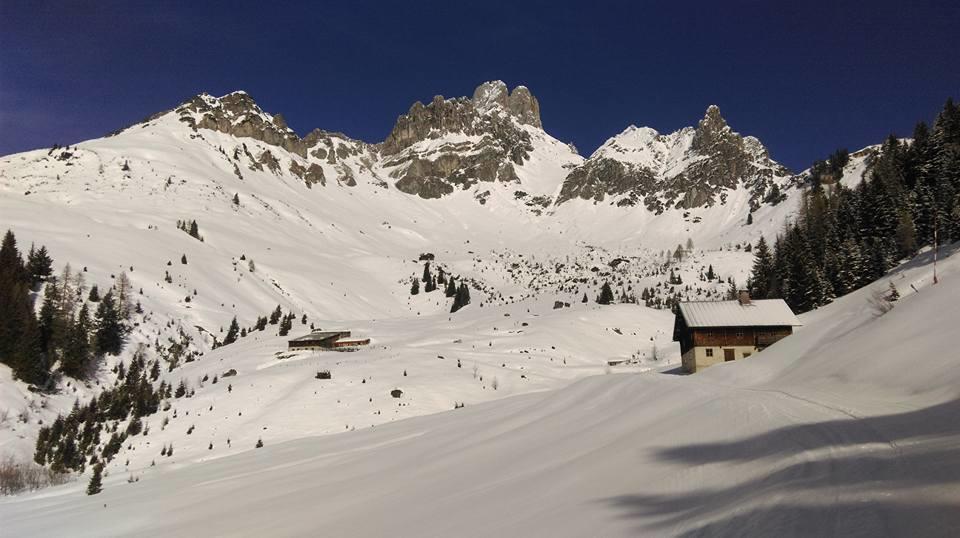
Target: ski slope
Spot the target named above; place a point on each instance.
(847, 428)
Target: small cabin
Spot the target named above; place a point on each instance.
(338, 340)
(710, 332)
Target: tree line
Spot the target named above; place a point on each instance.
(844, 238)
(71, 329)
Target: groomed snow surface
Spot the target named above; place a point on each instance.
(847, 428)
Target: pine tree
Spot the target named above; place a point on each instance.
(451, 288)
(462, 298)
(426, 272)
(94, 296)
(183, 259)
(762, 273)
(236, 199)
(286, 325)
(606, 294)
(232, 332)
(76, 354)
(39, 264)
(95, 485)
(110, 330)
(275, 315)
(414, 286)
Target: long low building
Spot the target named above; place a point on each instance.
(710, 332)
(326, 340)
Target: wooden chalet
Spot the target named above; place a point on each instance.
(721, 331)
(337, 340)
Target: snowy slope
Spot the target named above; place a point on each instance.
(331, 237)
(834, 431)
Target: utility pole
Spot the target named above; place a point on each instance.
(936, 247)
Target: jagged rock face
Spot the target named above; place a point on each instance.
(686, 169)
(237, 114)
(456, 143)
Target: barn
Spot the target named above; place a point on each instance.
(710, 332)
(319, 339)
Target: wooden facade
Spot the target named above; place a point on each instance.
(327, 340)
(758, 337)
(729, 330)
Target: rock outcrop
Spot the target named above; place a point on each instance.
(692, 167)
(239, 115)
(455, 143)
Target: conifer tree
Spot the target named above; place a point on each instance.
(414, 286)
(110, 330)
(232, 332)
(762, 274)
(275, 315)
(76, 354)
(95, 485)
(606, 294)
(286, 324)
(39, 264)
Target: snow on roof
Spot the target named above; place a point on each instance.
(764, 312)
(320, 335)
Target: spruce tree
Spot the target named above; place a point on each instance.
(762, 273)
(414, 286)
(232, 332)
(76, 354)
(110, 330)
(275, 315)
(286, 325)
(606, 294)
(39, 264)
(95, 485)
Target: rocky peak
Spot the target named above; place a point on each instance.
(692, 167)
(712, 129)
(520, 103)
(239, 115)
(455, 143)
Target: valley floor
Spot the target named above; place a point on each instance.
(848, 428)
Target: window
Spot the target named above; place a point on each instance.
(709, 351)
(739, 333)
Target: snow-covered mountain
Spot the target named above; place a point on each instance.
(689, 168)
(334, 229)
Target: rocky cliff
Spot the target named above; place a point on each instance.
(455, 143)
(692, 167)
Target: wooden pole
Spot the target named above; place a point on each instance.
(936, 247)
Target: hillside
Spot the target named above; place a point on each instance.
(834, 431)
(332, 231)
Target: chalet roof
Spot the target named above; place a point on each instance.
(763, 312)
(320, 335)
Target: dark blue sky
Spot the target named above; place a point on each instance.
(804, 77)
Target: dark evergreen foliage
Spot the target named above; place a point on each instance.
(606, 294)
(845, 238)
(232, 332)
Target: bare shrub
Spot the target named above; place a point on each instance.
(17, 477)
(879, 302)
